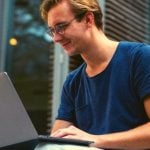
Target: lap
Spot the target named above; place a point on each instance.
(45, 146)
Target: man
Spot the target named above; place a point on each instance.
(107, 99)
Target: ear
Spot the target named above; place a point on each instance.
(89, 18)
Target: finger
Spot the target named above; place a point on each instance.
(71, 137)
(55, 133)
(71, 127)
(59, 134)
(63, 132)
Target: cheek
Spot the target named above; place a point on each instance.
(78, 30)
(76, 35)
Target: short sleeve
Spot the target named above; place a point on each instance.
(141, 71)
(66, 108)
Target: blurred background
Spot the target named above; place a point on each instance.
(38, 67)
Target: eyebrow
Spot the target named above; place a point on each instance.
(59, 23)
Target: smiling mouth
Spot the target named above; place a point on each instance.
(66, 44)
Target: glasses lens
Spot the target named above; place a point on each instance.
(60, 28)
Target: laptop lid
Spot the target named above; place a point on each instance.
(15, 124)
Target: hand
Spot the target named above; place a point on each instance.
(73, 133)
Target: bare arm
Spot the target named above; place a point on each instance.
(59, 124)
(137, 138)
(134, 139)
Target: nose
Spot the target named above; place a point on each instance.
(57, 38)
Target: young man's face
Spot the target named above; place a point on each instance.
(69, 33)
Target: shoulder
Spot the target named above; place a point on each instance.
(134, 46)
(135, 50)
(139, 58)
(140, 52)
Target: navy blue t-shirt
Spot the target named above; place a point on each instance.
(111, 101)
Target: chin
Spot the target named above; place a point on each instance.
(71, 53)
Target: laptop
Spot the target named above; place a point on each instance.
(16, 127)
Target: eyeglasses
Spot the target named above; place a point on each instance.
(59, 29)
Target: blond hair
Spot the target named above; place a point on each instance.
(79, 8)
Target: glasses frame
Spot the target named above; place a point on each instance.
(59, 29)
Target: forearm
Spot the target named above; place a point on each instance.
(138, 138)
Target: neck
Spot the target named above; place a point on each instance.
(99, 53)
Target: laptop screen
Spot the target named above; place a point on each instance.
(15, 124)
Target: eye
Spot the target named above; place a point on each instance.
(61, 27)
